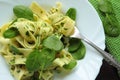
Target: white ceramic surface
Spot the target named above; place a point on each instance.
(89, 25)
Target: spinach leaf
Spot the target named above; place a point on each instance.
(110, 21)
(47, 56)
(14, 49)
(23, 12)
(78, 51)
(74, 44)
(71, 13)
(71, 65)
(53, 42)
(11, 33)
(40, 59)
(33, 61)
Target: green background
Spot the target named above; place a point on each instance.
(112, 43)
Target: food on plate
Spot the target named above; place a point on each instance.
(37, 42)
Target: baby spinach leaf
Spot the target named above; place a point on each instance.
(14, 49)
(80, 50)
(23, 12)
(47, 56)
(80, 53)
(40, 59)
(74, 44)
(71, 13)
(71, 65)
(11, 32)
(54, 43)
(33, 61)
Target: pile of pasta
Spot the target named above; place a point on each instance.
(46, 23)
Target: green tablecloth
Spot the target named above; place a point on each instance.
(112, 43)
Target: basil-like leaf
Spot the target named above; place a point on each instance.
(40, 59)
(14, 50)
(78, 52)
(47, 56)
(71, 65)
(74, 44)
(11, 32)
(71, 13)
(23, 12)
(33, 61)
(53, 42)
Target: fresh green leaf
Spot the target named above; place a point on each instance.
(11, 32)
(74, 44)
(71, 13)
(33, 61)
(71, 65)
(78, 52)
(47, 56)
(15, 50)
(40, 59)
(53, 42)
(23, 12)
(105, 6)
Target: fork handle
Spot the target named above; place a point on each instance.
(107, 56)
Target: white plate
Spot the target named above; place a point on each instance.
(89, 25)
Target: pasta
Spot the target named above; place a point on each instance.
(31, 34)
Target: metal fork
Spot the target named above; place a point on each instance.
(107, 56)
